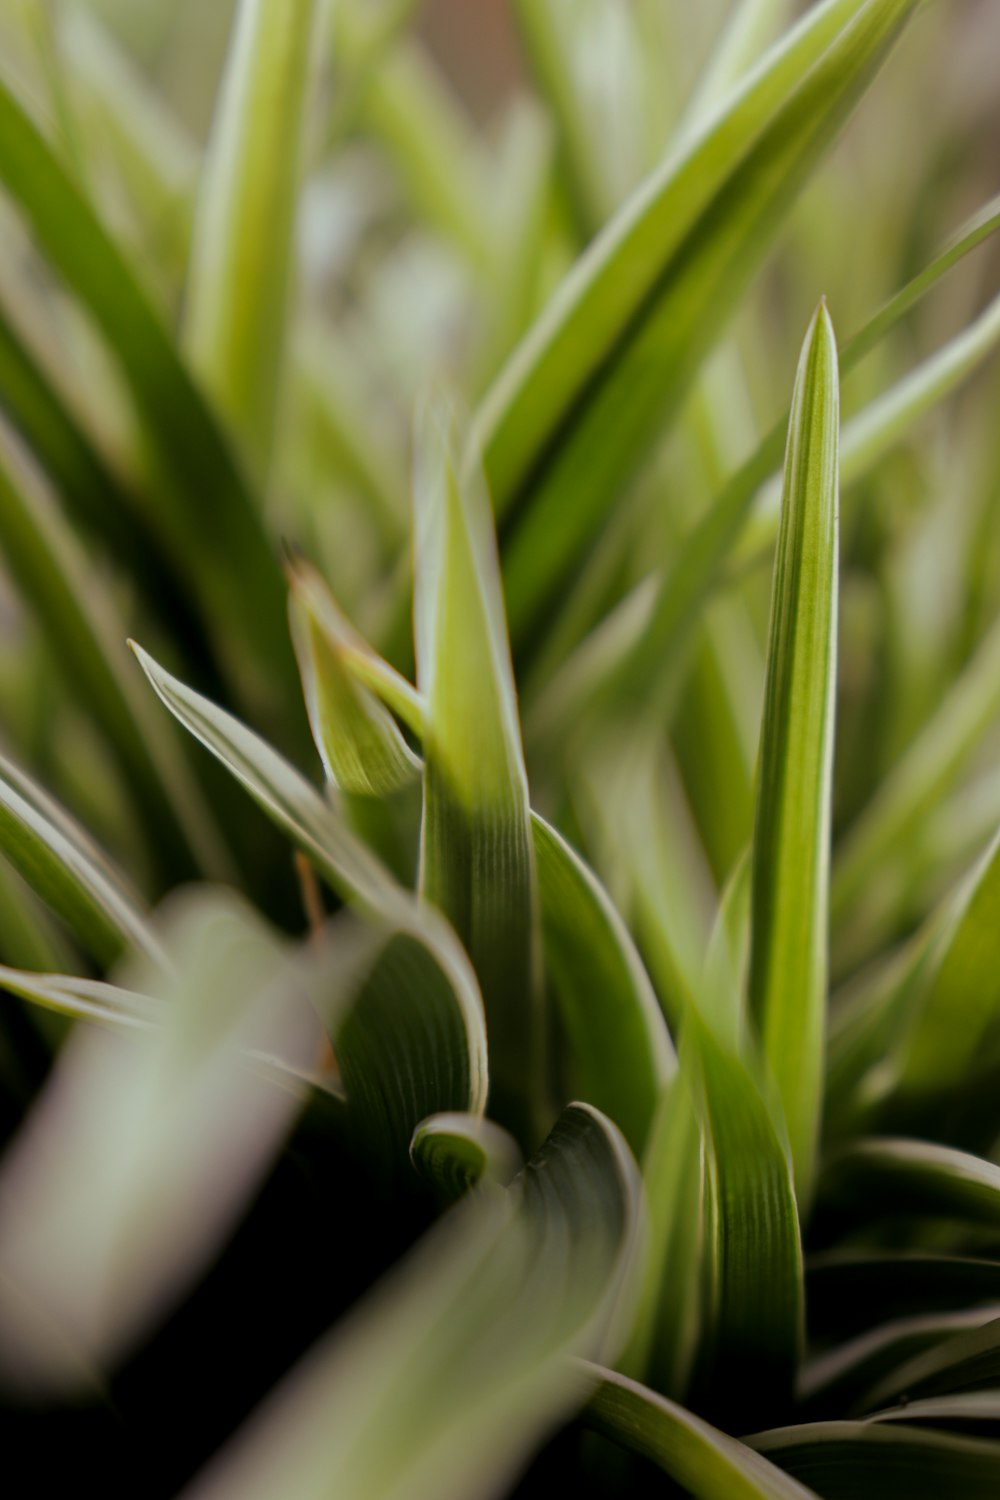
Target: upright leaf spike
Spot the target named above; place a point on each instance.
(242, 251)
(791, 843)
(477, 855)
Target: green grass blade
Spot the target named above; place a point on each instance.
(88, 640)
(455, 1153)
(247, 594)
(532, 1274)
(295, 806)
(477, 855)
(865, 1461)
(788, 948)
(61, 865)
(620, 1050)
(705, 1462)
(627, 333)
(239, 275)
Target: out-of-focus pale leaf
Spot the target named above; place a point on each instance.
(620, 344)
(790, 857)
(465, 1344)
(142, 1150)
(60, 863)
(477, 855)
(241, 255)
(707, 1463)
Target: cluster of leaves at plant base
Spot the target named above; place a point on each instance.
(577, 1066)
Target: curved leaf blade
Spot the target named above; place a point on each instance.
(707, 1463)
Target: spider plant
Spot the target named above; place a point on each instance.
(500, 986)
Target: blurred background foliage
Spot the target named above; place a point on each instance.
(441, 204)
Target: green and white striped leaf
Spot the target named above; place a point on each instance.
(241, 256)
(619, 345)
(477, 857)
(790, 856)
(61, 865)
(450, 1066)
(191, 454)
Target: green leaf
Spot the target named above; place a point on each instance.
(78, 617)
(620, 1050)
(619, 346)
(788, 946)
(867, 1461)
(532, 1275)
(755, 1306)
(60, 863)
(848, 1290)
(708, 1464)
(241, 256)
(921, 776)
(362, 750)
(963, 1408)
(969, 1361)
(621, 1055)
(455, 1152)
(477, 855)
(455, 1016)
(841, 1378)
(653, 627)
(669, 1318)
(886, 1176)
(191, 452)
